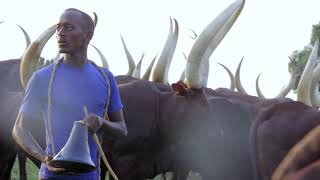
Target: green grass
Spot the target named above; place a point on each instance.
(32, 172)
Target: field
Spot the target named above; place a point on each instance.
(32, 172)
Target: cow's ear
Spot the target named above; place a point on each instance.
(180, 88)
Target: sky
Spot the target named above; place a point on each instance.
(265, 34)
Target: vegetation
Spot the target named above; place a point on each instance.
(300, 57)
(32, 171)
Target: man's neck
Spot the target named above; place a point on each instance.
(74, 60)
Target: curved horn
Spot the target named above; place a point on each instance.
(300, 155)
(208, 40)
(26, 36)
(195, 35)
(285, 90)
(237, 80)
(146, 75)
(258, 88)
(304, 86)
(314, 90)
(95, 20)
(232, 86)
(131, 63)
(102, 57)
(29, 61)
(204, 71)
(183, 74)
(161, 70)
(137, 71)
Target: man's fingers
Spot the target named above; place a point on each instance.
(56, 170)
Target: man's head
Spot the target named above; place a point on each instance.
(74, 31)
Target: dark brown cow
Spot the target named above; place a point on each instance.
(216, 133)
(8, 109)
(11, 93)
(279, 128)
(10, 82)
(202, 130)
(10, 75)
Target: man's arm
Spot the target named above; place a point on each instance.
(23, 137)
(115, 127)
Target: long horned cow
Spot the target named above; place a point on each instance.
(221, 134)
(10, 87)
(187, 129)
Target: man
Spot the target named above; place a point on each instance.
(58, 93)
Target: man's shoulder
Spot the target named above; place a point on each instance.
(105, 70)
(44, 72)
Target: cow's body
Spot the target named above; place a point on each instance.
(10, 75)
(8, 111)
(10, 96)
(279, 128)
(207, 131)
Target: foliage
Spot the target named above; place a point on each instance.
(300, 57)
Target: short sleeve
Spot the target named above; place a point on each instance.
(32, 101)
(115, 99)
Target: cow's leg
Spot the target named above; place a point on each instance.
(163, 176)
(103, 171)
(180, 174)
(7, 162)
(22, 166)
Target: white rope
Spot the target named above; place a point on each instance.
(104, 158)
(105, 116)
(49, 126)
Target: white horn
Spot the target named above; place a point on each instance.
(161, 70)
(208, 40)
(232, 86)
(131, 63)
(237, 80)
(304, 86)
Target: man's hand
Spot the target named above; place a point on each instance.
(93, 122)
(51, 168)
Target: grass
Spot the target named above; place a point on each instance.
(32, 172)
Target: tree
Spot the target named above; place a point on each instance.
(300, 57)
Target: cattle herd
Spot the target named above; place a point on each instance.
(221, 134)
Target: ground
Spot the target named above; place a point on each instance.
(32, 172)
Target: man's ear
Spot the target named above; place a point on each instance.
(89, 35)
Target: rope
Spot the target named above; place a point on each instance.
(49, 129)
(104, 158)
(105, 116)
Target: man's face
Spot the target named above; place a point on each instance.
(71, 36)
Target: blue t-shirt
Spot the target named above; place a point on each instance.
(72, 89)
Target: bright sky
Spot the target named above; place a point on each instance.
(266, 33)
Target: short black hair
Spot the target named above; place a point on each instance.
(88, 22)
